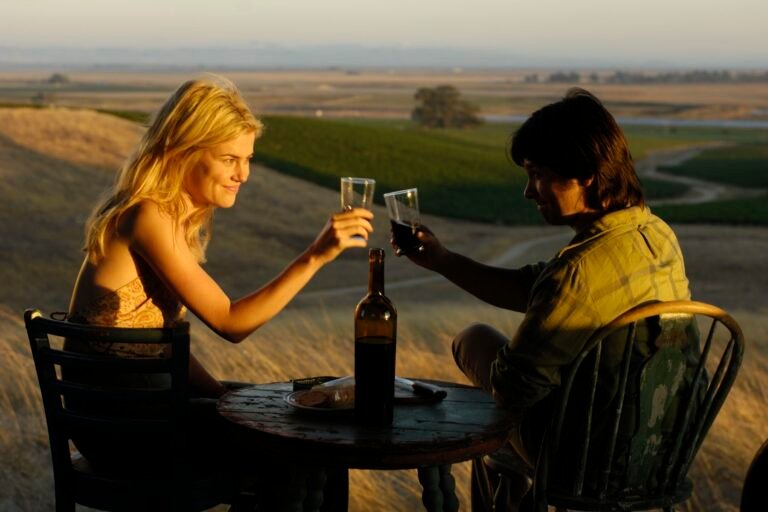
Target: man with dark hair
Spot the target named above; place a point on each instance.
(580, 174)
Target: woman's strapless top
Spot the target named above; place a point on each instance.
(143, 302)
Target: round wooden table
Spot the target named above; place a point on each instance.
(428, 436)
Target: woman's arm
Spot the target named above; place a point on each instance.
(156, 238)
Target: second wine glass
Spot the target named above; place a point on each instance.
(403, 209)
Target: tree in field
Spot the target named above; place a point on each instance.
(443, 107)
(58, 78)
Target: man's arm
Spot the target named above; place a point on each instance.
(501, 287)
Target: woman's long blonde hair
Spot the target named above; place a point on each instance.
(200, 114)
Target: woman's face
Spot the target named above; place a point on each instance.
(218, 174)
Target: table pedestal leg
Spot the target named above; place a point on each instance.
(315, 483)
(439, 489)
(301, 490)
(296, 492)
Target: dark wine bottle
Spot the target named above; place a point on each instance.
(375, 344)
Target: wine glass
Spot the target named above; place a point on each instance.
(403, 209)
(357, 193)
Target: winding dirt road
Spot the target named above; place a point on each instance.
(699, 191)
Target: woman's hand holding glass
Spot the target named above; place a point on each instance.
(349, 228)
(357, 193)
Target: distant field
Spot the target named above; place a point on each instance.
(459, 173)
(383, 92)
(460, 178)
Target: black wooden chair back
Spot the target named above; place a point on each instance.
(156, 410)
(662, 394)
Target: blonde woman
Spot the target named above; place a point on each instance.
(146, 242)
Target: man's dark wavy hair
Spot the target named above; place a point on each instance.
(577, 137)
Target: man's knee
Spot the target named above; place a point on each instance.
(464, 340)
(478, 343)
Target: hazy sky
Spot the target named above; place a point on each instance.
(698, 31)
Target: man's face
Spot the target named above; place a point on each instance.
(561, 201)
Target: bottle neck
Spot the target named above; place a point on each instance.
(376, 272)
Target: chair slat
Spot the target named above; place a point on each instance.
(77, 391)
(629, 346)
(706, 407)
(673, 460)
(111, 334)
(77, 423)
(578, 485)
(78, 361)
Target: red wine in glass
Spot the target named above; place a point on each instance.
(404, 235)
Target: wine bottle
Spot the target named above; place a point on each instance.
(375, 344)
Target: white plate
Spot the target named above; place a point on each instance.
(290, 399)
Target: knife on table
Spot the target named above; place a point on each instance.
(422, 388)
(418, 388)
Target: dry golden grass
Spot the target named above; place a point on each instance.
(313, 336)
(82, 137)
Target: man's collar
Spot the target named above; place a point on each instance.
(632, 217)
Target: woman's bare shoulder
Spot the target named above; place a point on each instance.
(150, 211)
(144, 216)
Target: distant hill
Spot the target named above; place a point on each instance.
(260, 55)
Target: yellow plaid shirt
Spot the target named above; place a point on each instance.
(624, 258)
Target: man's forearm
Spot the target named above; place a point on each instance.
(501, 287)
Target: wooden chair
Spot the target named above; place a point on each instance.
(660, 407)
(167, 481)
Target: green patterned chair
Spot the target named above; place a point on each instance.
(626, 441)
